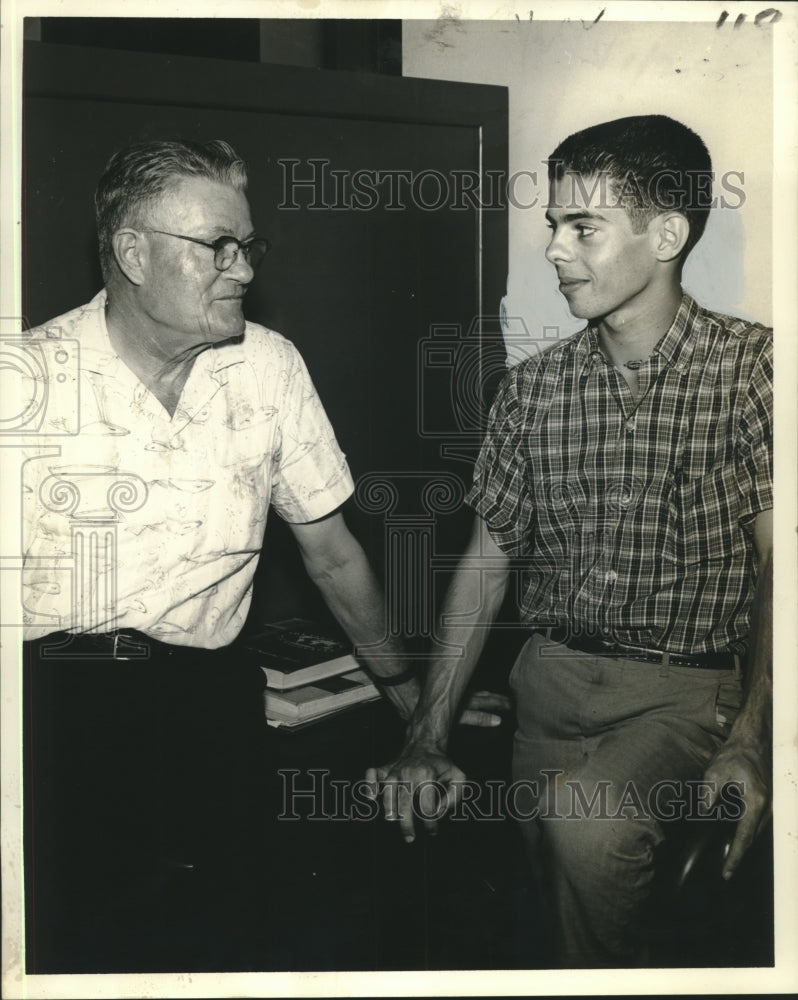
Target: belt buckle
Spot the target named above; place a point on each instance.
(643, 653)
(134, 651)
(614, 648)
(115, 651)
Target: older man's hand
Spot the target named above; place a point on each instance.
(483, 708)
(421, 783)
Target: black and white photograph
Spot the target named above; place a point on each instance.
(399, 498)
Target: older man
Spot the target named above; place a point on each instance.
(142, 536)
(628, 473)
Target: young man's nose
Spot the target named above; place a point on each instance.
(559, 249)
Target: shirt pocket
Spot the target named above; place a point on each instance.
(246, 439)
(244, 466)
(703, 519)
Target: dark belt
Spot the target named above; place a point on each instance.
(125, 644)
(602, 647)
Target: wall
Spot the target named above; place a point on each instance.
(563, 76)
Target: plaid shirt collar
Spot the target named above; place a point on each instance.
(675, 347)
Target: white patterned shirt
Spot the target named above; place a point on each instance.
(150, 522)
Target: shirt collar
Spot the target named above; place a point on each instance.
(588, 351)
(675, 347)
(103, 359)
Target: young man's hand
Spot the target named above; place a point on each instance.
(746, 756)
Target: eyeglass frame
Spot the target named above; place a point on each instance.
(218, 245)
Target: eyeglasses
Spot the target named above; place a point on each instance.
(227, 248)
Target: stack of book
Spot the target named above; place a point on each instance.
(310, 670)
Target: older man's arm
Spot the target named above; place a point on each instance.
(338, 566)
(746, 756)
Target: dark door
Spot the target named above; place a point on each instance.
(383, 269)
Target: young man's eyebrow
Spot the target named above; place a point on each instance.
(576, 217)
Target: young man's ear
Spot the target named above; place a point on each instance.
(130, 253)
(670, 232)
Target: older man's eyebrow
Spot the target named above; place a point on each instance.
(226, 231)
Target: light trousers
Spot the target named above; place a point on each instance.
(610, 749)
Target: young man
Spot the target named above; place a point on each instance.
(628, 473)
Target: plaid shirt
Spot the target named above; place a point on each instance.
(634, 517)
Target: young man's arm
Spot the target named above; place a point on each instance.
(338, 566)
(746, 756)
(472, 603)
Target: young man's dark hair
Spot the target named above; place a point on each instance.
(653, 164)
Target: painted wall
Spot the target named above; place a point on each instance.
(563, 76)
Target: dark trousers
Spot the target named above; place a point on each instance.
(145, 783)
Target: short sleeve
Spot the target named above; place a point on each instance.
(755, 440)
(500, 492)
(310, 475)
